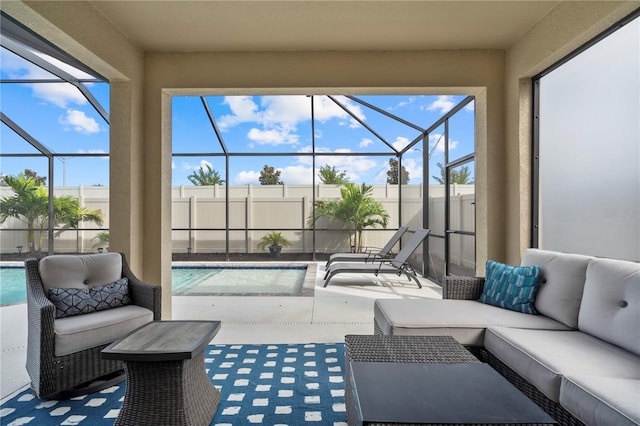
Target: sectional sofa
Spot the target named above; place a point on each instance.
(578, 357)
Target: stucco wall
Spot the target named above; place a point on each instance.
(567, 27)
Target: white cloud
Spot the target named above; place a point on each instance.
(273, 137)
(247, 178)
(400, 143)
(59, 94)
(354, 166)
(443, 104)
(78, 121)
(296, 175)
(471, 106)
(16, 67)
(280, 115)
(414, 168)
(94, 151)
(187, 167)
(324, 109)
(173, 164)
(243, 109)
(381, 176)
(438, 138)
(286, 111)
(365, 142)
(408, 101)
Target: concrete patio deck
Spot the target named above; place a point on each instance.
(344, 307)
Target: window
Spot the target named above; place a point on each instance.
(587, 153)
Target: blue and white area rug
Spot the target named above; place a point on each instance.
(260, 384)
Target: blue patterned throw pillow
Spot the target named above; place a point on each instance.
(76, 301)
(511, 287)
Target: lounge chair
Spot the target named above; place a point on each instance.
(398, 265)
(368, 255)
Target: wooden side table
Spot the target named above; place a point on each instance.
(166, 380)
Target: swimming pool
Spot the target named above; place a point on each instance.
(216, 280)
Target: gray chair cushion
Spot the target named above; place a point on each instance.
(611, 303)
(465, 320)
(542, 357)
(561, 283)
(602, 400)
(80, 332)
(72, 271)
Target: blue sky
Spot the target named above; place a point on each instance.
(60, 118)
(282, 124)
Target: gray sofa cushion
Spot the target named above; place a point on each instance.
(602, 400)
(77, 333)
(72, 271)
(561, 283)
(611, 303)
(465, 320)
(542, 357)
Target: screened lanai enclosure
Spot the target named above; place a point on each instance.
(242, 166)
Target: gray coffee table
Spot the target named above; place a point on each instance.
(427, 394)
(166, 380)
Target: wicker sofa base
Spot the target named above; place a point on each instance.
(554, 409)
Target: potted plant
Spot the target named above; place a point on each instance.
(103, 240)
(275, 241)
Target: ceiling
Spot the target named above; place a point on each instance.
(265, 25)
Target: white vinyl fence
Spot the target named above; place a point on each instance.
(199, 218)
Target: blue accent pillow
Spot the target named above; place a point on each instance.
(76, 301)
(511, 287)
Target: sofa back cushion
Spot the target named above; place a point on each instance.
(611, 303)
(561, 283)
(79, 271)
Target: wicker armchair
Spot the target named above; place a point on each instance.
(55, 376)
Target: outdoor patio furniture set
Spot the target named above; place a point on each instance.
(578, 358)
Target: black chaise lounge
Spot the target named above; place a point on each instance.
(369, 255)
(398, 265)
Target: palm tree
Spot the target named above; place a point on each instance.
(208, 177)
(30, 204)
(356, 209)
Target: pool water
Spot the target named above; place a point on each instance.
(192, 281)
(12, 285)
(238, 280)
